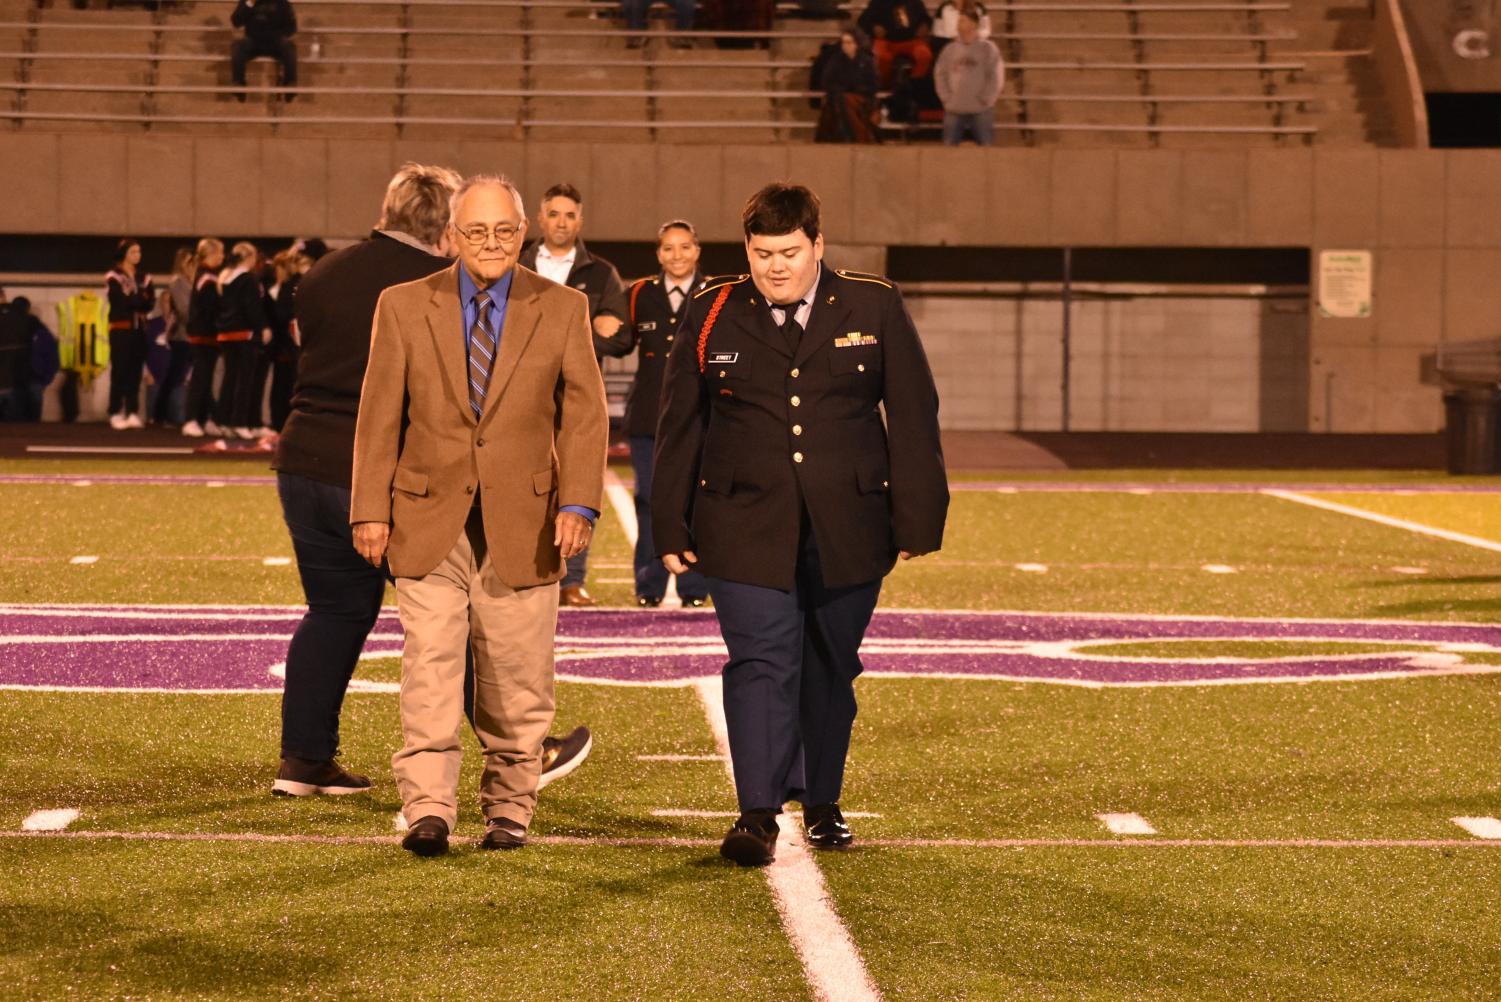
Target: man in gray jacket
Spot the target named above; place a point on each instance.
(968, 77)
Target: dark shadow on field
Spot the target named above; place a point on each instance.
(1405, 582)
(1480, 606)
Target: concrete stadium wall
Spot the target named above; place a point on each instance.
(1431, 218)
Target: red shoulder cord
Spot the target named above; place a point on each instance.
(703, 335)
(635, 292)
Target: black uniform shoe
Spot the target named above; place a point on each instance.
(753, 839)
(695, 603)
(560, 756)
(428, 837)
(824, 827)
(648, 601)
(301, 777)
(503, 833)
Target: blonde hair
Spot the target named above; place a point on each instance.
(244, 252)
(417, 201)
(207, 248)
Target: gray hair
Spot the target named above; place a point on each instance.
(478, 181)
(417, 201)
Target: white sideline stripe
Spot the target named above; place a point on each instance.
(214, 483)
(1395, 523)
(1219, 569)
(1007, 490)
(110, 450)
(1033, 568)
(399, 822)
(277, 561)
(50, 821)
(1486, 828)
(831, 962)
(680, 758)
(625, 510)
(1126, 824)
(84, 560)
(675, 812)
(83, 483)
(1409, 570)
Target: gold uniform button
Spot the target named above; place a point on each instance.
(797, 457)
(860, 367)
(797, 429)
(703, 483)
(721, 374)
(794, 373)
(796, 402)
(669, 337)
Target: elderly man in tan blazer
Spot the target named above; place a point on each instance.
(479, 460)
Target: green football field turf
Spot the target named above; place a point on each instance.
(1357, 763)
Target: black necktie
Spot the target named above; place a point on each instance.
(791, 332)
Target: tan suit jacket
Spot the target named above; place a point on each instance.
(420, 455)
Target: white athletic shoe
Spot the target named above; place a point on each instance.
(117, 422)
(210, 428)
(244, 433)
(193, 429)
(134, 421)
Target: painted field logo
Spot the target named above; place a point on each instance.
(242, 649)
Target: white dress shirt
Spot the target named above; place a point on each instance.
(553, 268)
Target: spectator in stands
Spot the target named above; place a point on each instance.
(175, 303)
(900, 28)
(635, 20)
(241, 326)
(203, 339)
(269, 26)
(969, 77)
(560, 255)
(131, 298)
(946, 23)
(848, 80)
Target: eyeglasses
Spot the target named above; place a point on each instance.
(479, 235)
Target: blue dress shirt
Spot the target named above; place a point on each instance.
(500, 294)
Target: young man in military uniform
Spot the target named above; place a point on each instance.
(777, 478)
(657, 305)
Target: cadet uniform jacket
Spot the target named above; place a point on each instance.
(762, 433)
(652, 327)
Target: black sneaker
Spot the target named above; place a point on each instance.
(560, 756)
(753, 839)
(301, 777)
(503, 833)
(428, 837)
(824, 827)
(648, 601)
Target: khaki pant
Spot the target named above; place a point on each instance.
(460, 603)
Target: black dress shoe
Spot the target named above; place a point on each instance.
(695, 603)
(428, 837)
(503, 833)
(648, 601)
(824, 827)
(753, 839)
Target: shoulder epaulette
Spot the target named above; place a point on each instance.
(860, 276)
(721, 283)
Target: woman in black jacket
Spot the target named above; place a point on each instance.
(131, 298)
(850, 113)
(203, 340)
(241, 326)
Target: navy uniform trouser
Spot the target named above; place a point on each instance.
(651, 576)
(789, 686)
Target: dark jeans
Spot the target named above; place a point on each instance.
(635, 13)
(283, 50)
(168, 408)
(236, 405)
(343, 594)
(127, 358)
(201, 384)
(789, 686)
(651, 576)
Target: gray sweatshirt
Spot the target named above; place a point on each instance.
(968, 76)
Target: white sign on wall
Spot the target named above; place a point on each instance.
(1345, 283)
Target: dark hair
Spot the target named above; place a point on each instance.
(21, 304)
(123, 247)
(781, 208)
(676, 224)
(562, 190)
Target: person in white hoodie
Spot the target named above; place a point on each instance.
(969, 76)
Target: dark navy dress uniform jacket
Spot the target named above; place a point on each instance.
(767, 432)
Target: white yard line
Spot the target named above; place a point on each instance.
(83, 560)
(680, 758)
(1219, 569)
(678, 812)
(1033, 568)
(276, 561)
(50, 821)
(831, 961)
(1387, 520)
(624, 504)
(106, 450)
(1126, 824)
(1486, 828)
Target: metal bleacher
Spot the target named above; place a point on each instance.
(1134, 73)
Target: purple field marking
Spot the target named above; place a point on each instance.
(236, 648)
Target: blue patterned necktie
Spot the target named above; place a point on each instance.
(481, 353)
